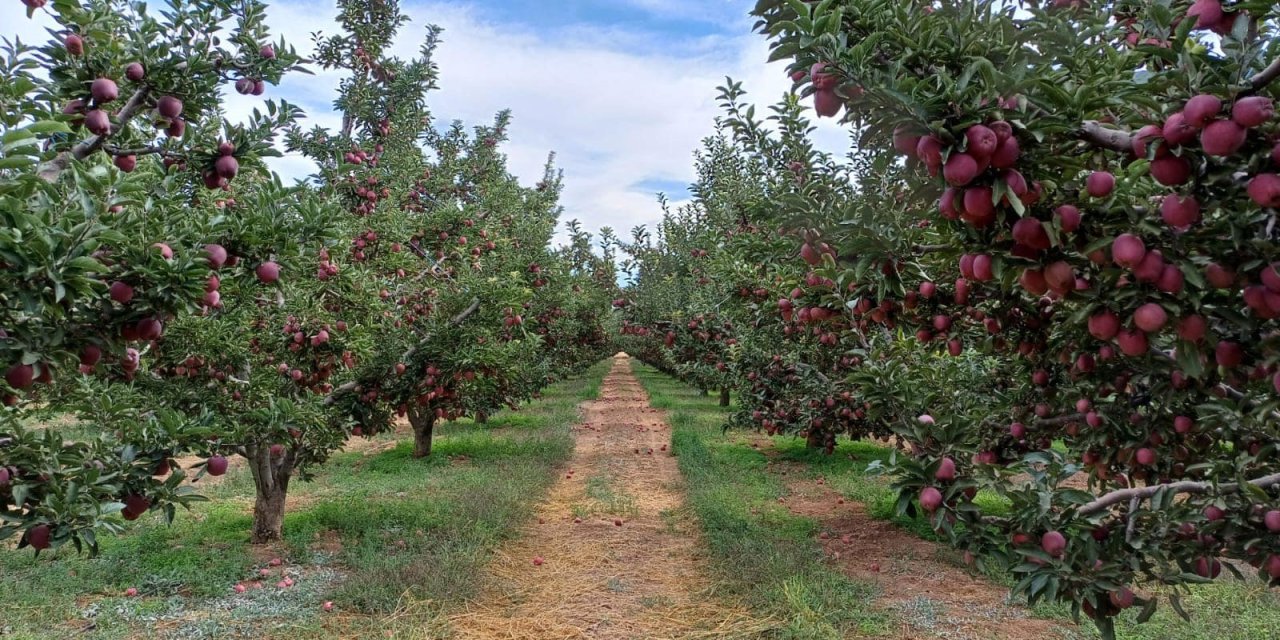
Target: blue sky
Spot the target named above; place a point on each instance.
(622, 90)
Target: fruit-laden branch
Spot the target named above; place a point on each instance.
(142, 151)
(1094, 133)
(82, 149)
(1116, 497)
(348, 387)
(1060, 420)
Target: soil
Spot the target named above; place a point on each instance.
(932, 595)
(643, 579)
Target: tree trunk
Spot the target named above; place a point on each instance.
(702, 392)
(724, 397)
(815, 439)
(271, 481)
(423, 423)
(482, 417)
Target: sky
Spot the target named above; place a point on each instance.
(623, 91)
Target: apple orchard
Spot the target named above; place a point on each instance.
(1047, 272)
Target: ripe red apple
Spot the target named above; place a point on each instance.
(20, 376)
(960, 169)
(1121, 598)
(982, 269)
(1192, 328)
(930, 499)
(1272, 520)
(1007, 154)
(1228, 354)
(1018, 430)
(268, 272)
(1132, 343)
(169, 107)
(1208, 13)
(1104, 325)
(1208, 567)
(1142, 137)
(126, 163)
(176, 128)
(277, 450)
(946, 470)
(217, 256)
(1171, 170)
(1100, 184)
(1253, 111)
(982, 142)
(1171, 280)
(1030, 232)
(617, 522)
(104, 90)
(74, 44)
(1145, 456)
(216, 466)
(929, 152)
(165, 251)
(327, 606)
(1219, 276)
(226, 167)
(904, 141)
(135, 72)
(1128, 250)
(1264, 189)
(1177, 131)
(1068, 218)
(267, 51)
(537, 561)
(1201, 110)
(120, 292)
(1150, 317)
(1054, 543)
(98, 122)
(1213, 513)
(1222, 138)
(827, 103)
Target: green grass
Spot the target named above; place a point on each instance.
(727, 478)
(762, 554)
(377, 533)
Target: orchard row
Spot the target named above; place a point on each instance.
(166, 291)
(1048, 273)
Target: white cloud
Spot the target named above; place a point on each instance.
(616, 114)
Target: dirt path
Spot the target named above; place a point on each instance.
(616, 559)
(933, 597)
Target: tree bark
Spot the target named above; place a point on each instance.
(482, 417)
(724, 397)
(815, 439)
(271, 481)
(423, 423)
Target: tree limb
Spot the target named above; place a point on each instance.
(54, 168)
(1265, 77)
(1185, 486)
(1094, 133)
(466, 313)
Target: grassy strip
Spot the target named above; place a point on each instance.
(761, 552)
(392, 541)
(1227, 609)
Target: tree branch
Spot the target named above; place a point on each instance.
(1094, 133)
(466, 313)
(142, 151)
(1186, 486)
(1265, 77)
(54, 168)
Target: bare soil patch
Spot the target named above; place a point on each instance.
(617, 559)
